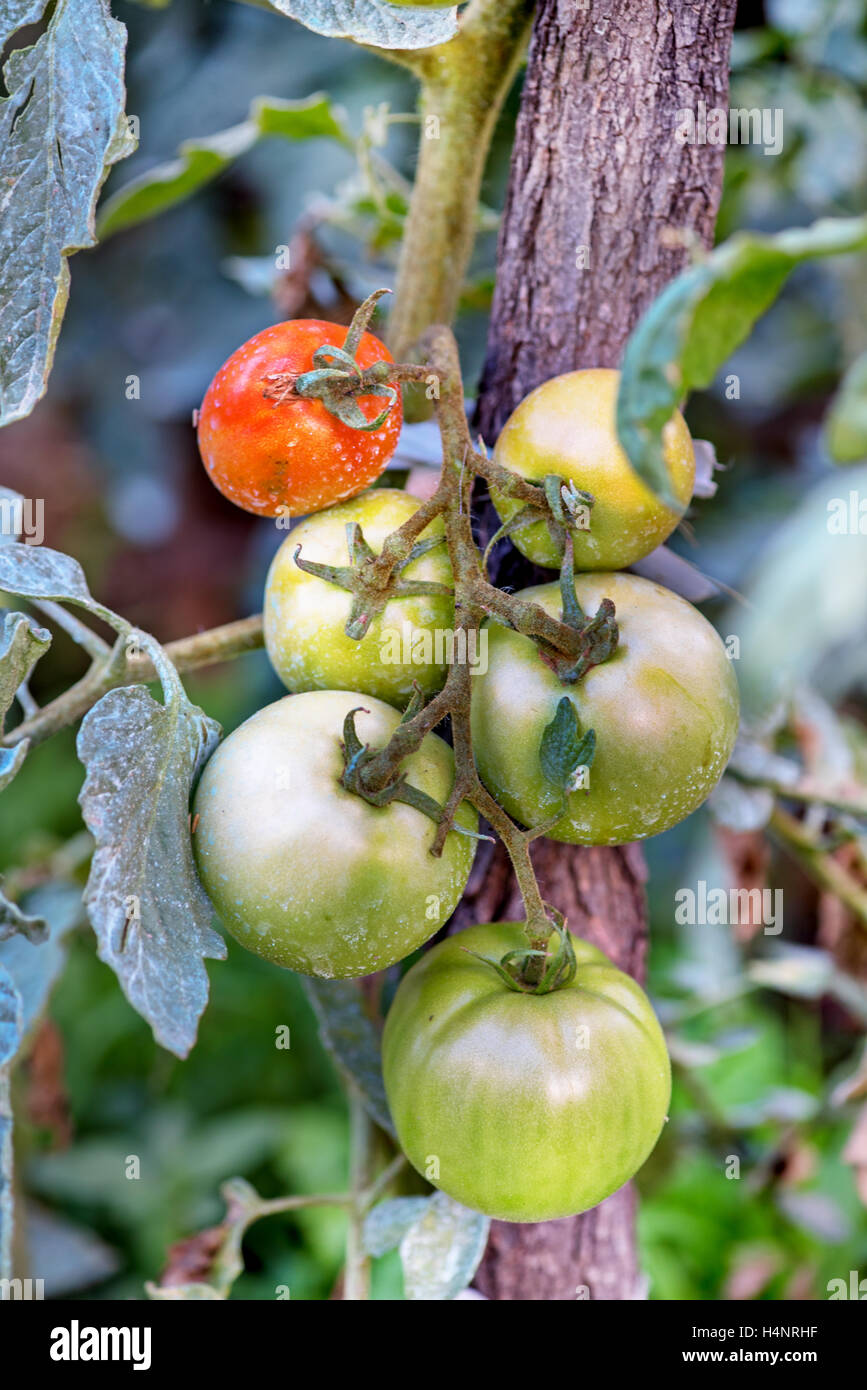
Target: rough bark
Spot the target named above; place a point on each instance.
(603, 203)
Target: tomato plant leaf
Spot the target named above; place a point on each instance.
(148, 909)
(200, 161)
(442, 1250)
(22, 643)
(698, 321)
(375, 22)
(564, 749)
(33, 571)
(387, 1223)
(62, 126)
(351, 1039)
(846, 421)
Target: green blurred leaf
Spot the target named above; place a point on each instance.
(62, 126)
(806, 599)
(846, 422)
(698, 321)
(201, 160)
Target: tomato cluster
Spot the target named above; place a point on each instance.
(523, 1103)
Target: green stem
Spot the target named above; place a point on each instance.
(187, 654)
(464, 85)
(356, 1281)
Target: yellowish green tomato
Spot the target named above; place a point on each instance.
(305, 616)
(567, 427)
(525, 1107)
(311, 876)
(664, 708)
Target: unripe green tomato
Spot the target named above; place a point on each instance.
(567, 426)
(664, 707)
(305, 616)
(311, 876)
(525, 1107)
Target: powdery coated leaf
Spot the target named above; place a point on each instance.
(441, 1251)
(200, 161)
(699, 320)
(372, 21)
(388, 1222)
(33, 571)
(351, 1039)
(35, 968)
(61, 128)
(147, 907)
(846, 421)
(10, 1038)
(22, 643)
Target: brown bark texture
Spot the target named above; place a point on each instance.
(602, 208)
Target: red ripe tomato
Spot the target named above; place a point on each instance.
(276, 454)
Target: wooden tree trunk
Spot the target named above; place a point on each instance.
(603, 203)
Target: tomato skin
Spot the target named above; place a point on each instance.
(308, 875)
(664, 707)
(305, 616)
(535, 1106)
(290, 457)
(567, 426)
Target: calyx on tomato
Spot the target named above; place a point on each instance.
(372, 583)
(599, 635)
(356, 757)
(336, 379)
(536, 970)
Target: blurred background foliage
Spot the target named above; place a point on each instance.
(765, 1031)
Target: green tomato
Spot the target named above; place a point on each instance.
(309, 875)
(305, 616)
(567, 426)
(664, 708)
(526, 1107)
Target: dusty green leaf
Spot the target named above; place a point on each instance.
(22, 643)
(200, 161)
(33, 571)
(372, 21)
(846, 422)
(35, 966)
(699, 320)
(442, 1250)
(148, 909)
(62, 126)
(387, 1223)
(351, 1039)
